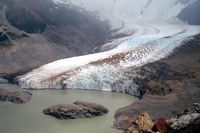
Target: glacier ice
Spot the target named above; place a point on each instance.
(156, 33)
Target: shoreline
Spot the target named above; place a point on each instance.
(173, 87)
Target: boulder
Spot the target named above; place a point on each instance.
(78, 110)
(17, 97)
(122, 123)
(184, 121)
(161, 125)
(132, 129)
(145, 123)
(142, 124)
(3, 81)
(197, 107)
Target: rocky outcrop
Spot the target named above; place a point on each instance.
(170, 86)
(17, 97)
(184, 121)
(79, 109)
(197, 107)
(192, 127)
(159, 78)
(158, 107)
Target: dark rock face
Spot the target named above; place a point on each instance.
(30, 22)
(34, 16)
(4, 40)
(17, 97)
(78, 110)
(3, 37)
(190, 14)
(159, 78)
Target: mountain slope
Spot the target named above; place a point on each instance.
(35, 32)
(190, 14)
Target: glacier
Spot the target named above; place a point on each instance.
(153, 33)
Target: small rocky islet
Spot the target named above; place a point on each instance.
(79, 109)
(18, 97)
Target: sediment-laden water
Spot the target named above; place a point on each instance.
(28, 118)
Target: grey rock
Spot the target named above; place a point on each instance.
(184, 121)
(197, 107)
(17, 97)
(3, 81)
(122, 123)
(78, 110)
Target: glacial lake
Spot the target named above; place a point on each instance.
(28, 118)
